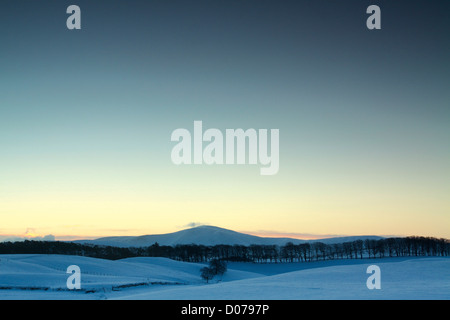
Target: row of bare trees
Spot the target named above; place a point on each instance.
(308, 251)
(369, 248)
(290, 252)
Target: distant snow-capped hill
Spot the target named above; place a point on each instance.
(208, 235)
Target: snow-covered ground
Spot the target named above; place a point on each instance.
(44, 277)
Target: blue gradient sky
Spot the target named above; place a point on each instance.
(86, 116)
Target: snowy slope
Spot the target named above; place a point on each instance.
(161, 278)
(206, 235)
(427, 278)
(49, 272)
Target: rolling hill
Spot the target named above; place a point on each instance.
(207, 235)
(44, 277)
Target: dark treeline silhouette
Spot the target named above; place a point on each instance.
(304, 252)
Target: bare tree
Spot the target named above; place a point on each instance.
(206, 274)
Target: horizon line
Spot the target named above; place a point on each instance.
(257, 233)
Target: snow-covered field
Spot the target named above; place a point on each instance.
(44, 277)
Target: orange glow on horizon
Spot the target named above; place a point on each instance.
(289, 235)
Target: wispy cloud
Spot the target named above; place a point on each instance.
(29, 234)
(13, 238)
(193, 224)
(294, 235)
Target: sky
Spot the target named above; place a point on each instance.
(86, 117)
